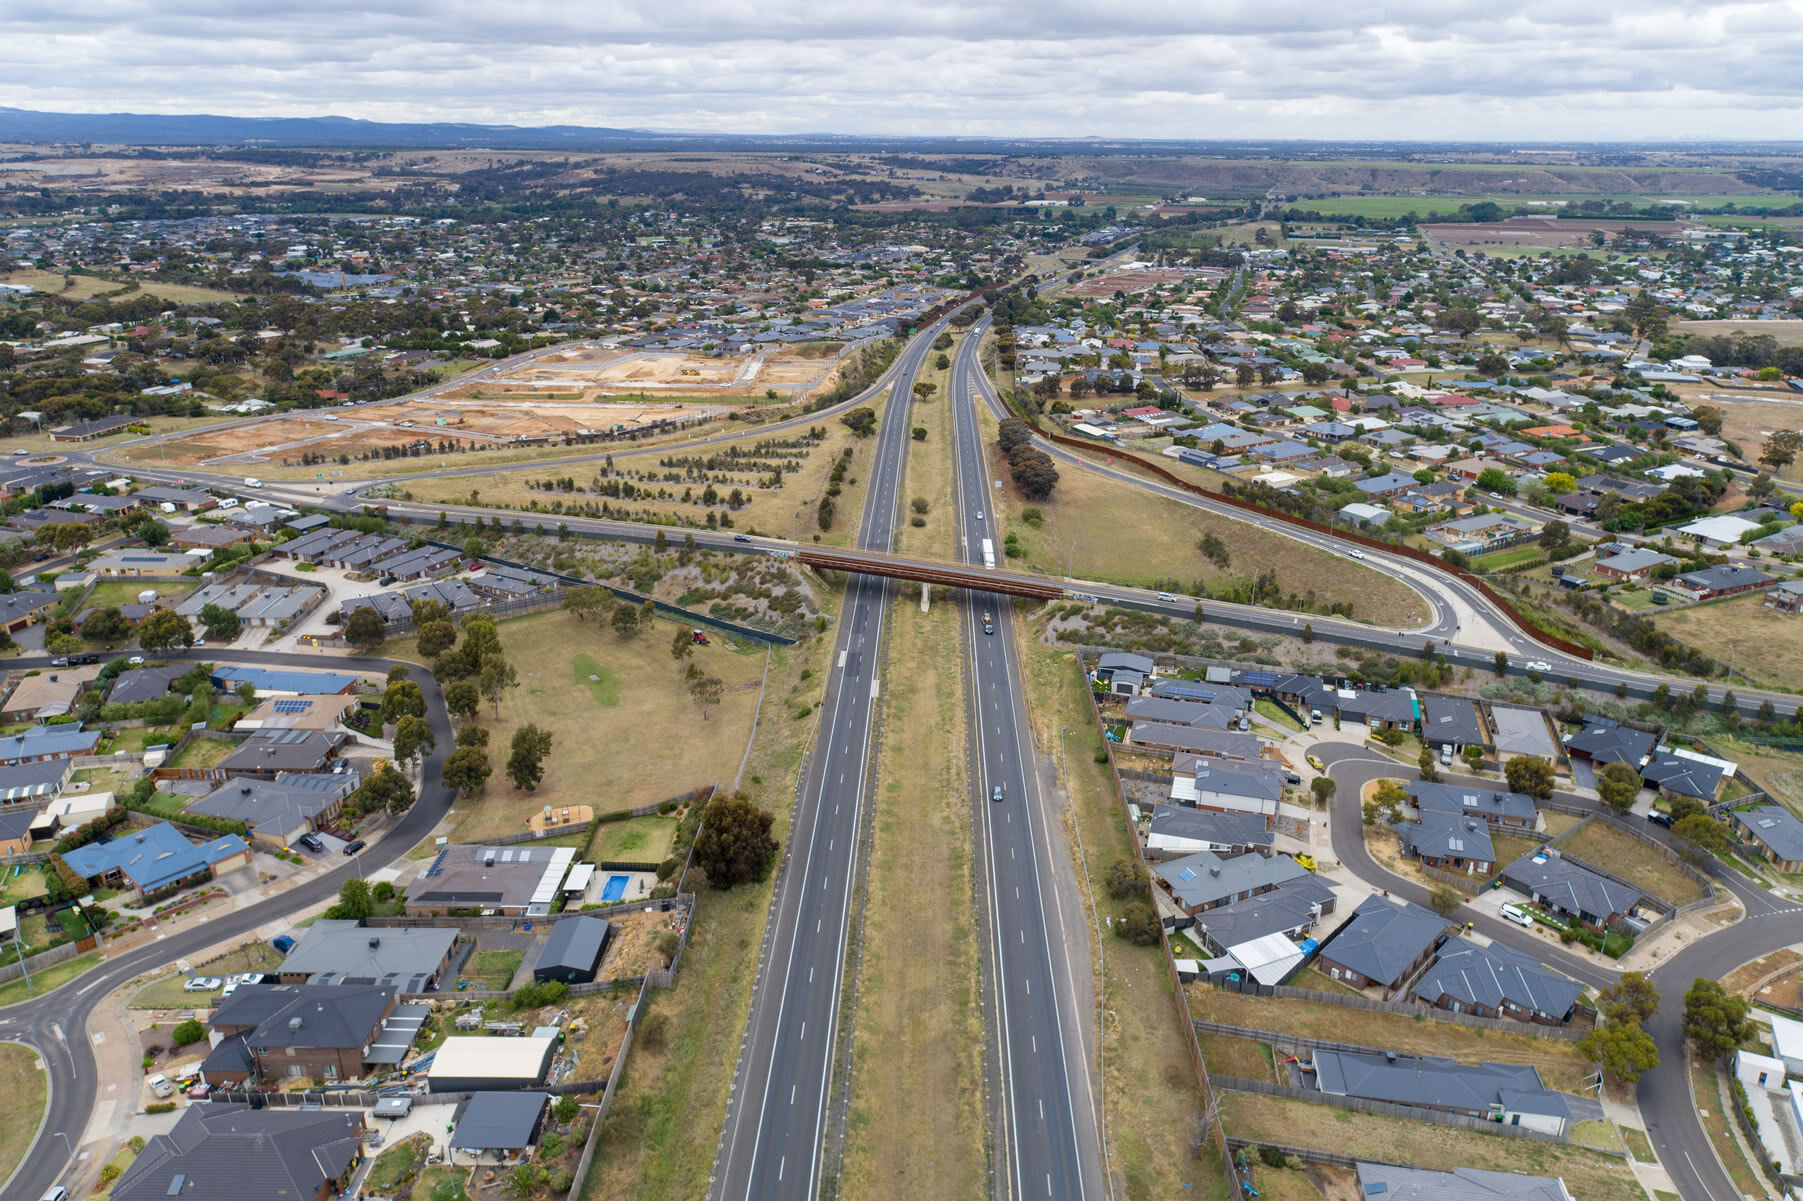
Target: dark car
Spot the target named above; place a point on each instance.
(355, 845)
(1660, 819)
(311, 842)
(741, 537)
(995, 794)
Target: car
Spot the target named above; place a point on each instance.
(55, 1192)
(231, 986)
(355, 845)
(1314, 761)
(1165, 596)
(979, 514)
(1355, 554)
(1518, 915)
(1446, 754)
(311, 842)
(282, 943)
(253, 978)
(203, 984)
(159, 1084)
(1659, 818)
(386, 580)
(136, 661)
(1314, 717)
(988, 626)
(1539, 665)
(20, 452)
(59, 661)
(741, 537)
(995, 794)
(83, 660)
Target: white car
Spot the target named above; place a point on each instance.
(203, 984)
(1165, 596)
(979, 514)
(1539, 665)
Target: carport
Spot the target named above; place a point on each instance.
(397, 1034)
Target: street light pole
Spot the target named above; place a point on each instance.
(67, 1144)
(21, 945)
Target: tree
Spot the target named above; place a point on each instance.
(1685, 806)
(1139, 924)
(1501, 662)
(222, 624)
(1430, 770)
(1699, 836)
(461, 699)
(153, 532)
(860, 421)
(1630, 999)
(565, 1109)
(626, 621)
(413, 737)
(1559, 483)
(585, 600)
(1530, 774)
(1126, 879)
(1554, 534)
(1445, 899)
(1624, 1051)
(164, 630)
(734, 844)
(481, 641)
(107, 626)
(498, 675)
(1715, 1020)
(467, 769)
(190, 1031)
(682, 645)
(1781, 448)
(706, 692)
(1323, 787)
(354, 900)
(384, 790)
(1617, 787)
(1494, 479)
(436, 637)
(404, 698)
(1708, 419)
(364, 629)
(473, 736)
(526, 758)
(526, 1180)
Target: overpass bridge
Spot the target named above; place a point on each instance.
(979, 579)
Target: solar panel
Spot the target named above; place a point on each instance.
(292, 705)
(1258, 678)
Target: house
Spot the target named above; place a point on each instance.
(1775, 830)
(1676, 773)
(1487, 531)
(1512, 1094)
(514, 881)
(1787, 597)
(300, 1030)
(1123, 672)
(187, 500)
(1386, 1182)
(1179, 830)
(1605, 741)
(1383, 944)
(1228, 786)
(34, 781)
(280, 810)
(52, 694)
(1494, 982)
(142, 564)
(1388, 484)
(269, 753)
(499, 1123)
(1787, 1042)
(226, 1152)
(573, 951)
(1723, 579)
(298, 713)
(1451, 721)
(211, 537)
(1522, 732)
(142, 684)
(1290, 910)
(156, 859)
(15, 830)
(1163, 711)
(1226, 744)
(1392, 708)
(1635, 564)
(87, 431)
(467, 1064)
(340, 951)
(271, 681)
(1360, 513)
(24, 608)
(1204, 881)
(1574, 892)
(1719, 532)
(1449, 842)
(1218, 693)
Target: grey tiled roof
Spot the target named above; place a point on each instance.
(1383, 937)
(220, 1152)
(1488, 976)
(1387, 1182)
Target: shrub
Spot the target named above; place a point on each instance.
(160, 1107)
(1271, 1157)
(190, 1031)
(654, 1030)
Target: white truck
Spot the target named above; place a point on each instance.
(988, 554)
(251, 481)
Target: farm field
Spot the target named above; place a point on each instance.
(1624, 855)
(637, 740)
(1770, 643)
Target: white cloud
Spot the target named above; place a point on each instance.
(1541, 69)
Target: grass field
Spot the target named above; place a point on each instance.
(1785, 333)
(441, 1183)
(930, 472)
(1705, 1090)
(676, 1085)
(1633, 861)
(42, 981)
(1770, 643)
(494, 968)
(125, 592)
(28, 1093)
(1098, 528)
(86, 286)
(1638, 1146)
(1778, 772)
(1749, 423)
(1150, 1093)
(916, 1118)
(1241, 1057)
(29, 882)
(650, 743)
(1498, 560)
(1559, 1063)
(1588, 1174)
(645, 839)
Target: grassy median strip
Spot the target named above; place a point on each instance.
(22, 1107)
(1151, 1100)
(916, 1120)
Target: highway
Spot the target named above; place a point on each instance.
(776, 1117)
(1048, 1109)
(56, 1022)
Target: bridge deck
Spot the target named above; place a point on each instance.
(950, 574)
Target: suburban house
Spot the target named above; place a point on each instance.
(1724, 579)
(1775, 830)
(1522, 732)
(142, 564)
(1787, 597)
(1224, 785)
(279, 811)
(1204, 881)
(1449, 842)
(1573, 892)
(1451, 721)
(1604, 741)
(15, 830)
(298, 713)
(156, 859)
(1635, 564)
(1179, 830)
(1259, 936)
(51, 694)
(1383, 944)
(1164, 711)
(270, 753)
(1676, 772)
(518, 881)
(87, 431)
(32, 781)
(1219, 695)
(224, 1152)
(1393, 708)
(1124, 672)
(142, 684)
(1386, 1182)
(21, 609)
(341, 951)
(1719, 532)
(1153, 736)
(1496, 982)
(1514, 809)
(1512, 1094)
(276, 681)
(273, 1031)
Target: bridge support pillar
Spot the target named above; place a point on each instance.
(926, 591)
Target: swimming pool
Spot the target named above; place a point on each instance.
(615, 888)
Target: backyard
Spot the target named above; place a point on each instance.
(203, 753)
(637, 840)
(1634, 861)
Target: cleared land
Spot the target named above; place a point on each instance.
(1770, 642)
(1778, 772)
(916, 1119)
(1706, 1091)
(651, 743)
(168, 993)
(1786, 333)
(1749, 422)
(1558, 1060)
(1587, 1174)
(1107, 530)
(1633, 861)
(86, 286)
(22, 1107)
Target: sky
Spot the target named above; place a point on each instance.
(1479, 70)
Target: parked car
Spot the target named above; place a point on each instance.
(1314, 717)
(59, 661)
(1660, 818)
(355, 845)
(311, 842)
(159, 1084)
(1314, 761)
(56, 1192)
(1517, 915)
(136, 661)
(203, 984)
(284, 944)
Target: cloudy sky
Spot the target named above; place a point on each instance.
(1464, 69)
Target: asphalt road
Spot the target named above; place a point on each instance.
(1051, 1146)
(56, 1022)
(1673, 1127)
(776, 1118)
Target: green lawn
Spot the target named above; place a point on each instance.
(441, 1184)
(1277, 717)
(48, 978)
(168, 993)
(203, 753)
(1498, 560)
(22, 1107)
(390, 1166)
(104, 779)
(641, 840)
(136, 739)
(495, 968)
(21, 883)
(125, 592)
(167, 804)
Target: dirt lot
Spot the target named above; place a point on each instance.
(1787, 333)
(632, 951)
(1629, 858)
(1771, 643)
(595, 373)
(1123, 281)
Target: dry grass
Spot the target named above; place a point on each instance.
(1239, 1057)
(1557, 823)
(1150, 1093)
(1770, 642)
(1634, 861)
(1103, 529)
(629, 738)
(930, 472)
(28, 1092)
(1638, 1146)
(1588, 1174)
(916, 1122)
(1749, 423)
(1747, 975)
(1706, 1092)
(1778, 772)
(1558, 1060)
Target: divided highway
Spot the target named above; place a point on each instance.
(776, 1117)
(1051, 1148)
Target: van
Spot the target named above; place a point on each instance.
(251, 481)
(159, 1084)
(1314, 717)
(1517, 915)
